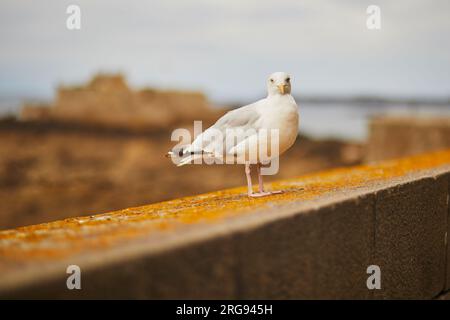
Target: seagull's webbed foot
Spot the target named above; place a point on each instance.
(276, 192)
(264, 194)
(259, 194)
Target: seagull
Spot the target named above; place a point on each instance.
(277, 113)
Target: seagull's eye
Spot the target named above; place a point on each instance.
(271, 80)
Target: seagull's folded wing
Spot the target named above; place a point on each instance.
(229, 131)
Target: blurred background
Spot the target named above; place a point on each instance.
(86, 115)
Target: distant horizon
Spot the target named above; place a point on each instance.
(310, 97)
(350, 100)
(386, 96)
(313, 98)
(353, 97)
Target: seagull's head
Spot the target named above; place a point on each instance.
(279, 83)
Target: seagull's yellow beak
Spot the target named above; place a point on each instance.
(282, 88)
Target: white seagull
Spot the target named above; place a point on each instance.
(277, 113)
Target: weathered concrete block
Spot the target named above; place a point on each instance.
(314, 241)
(447, 287)
(443, 296)
(410, 228)
(320, 253)
(202, 270)
(198, 271)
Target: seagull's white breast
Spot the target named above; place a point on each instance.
(281, 113)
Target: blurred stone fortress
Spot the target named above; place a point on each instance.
(394, 137)
(108, 101)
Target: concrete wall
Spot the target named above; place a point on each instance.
(392, 137)
(314, 241)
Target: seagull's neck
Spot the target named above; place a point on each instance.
(278, 96)
(281, 100)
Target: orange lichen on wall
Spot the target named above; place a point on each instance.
(65, 238)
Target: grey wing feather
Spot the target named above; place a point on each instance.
(244, 117)
(236, 123)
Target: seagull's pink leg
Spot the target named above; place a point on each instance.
(249, 179)
(260, 178)
(261, 192)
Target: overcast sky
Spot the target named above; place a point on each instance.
(228, 47)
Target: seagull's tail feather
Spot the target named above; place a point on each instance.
(178, 152)
(182, 155)
(189, 159)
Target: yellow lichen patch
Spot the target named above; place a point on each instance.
(65, 238)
